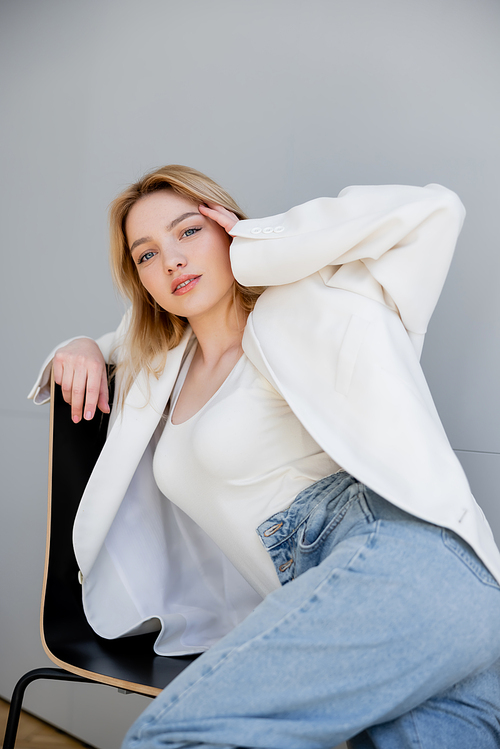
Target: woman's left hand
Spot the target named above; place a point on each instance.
(220, 215)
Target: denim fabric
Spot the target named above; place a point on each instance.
(386, 631)
(321, 517)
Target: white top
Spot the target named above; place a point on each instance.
(241, 458)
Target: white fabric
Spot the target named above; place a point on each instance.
(338, 335)
(240, 459)
(171, 569)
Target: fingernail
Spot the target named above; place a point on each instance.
(88, 415)
(76, 419)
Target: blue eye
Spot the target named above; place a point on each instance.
(146, 256)
(190, 232)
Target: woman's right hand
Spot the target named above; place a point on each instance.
(80, 370)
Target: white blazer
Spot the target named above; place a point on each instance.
(352, 284)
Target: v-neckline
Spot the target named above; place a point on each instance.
(186, 366)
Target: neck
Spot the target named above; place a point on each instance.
(219, 331)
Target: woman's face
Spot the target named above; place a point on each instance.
(181, 256)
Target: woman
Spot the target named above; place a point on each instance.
(380, 616)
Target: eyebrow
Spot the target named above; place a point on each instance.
(171, 226)
(181, 218)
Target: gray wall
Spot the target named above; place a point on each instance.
(280, 101)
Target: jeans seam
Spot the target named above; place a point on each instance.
(368, 543)
(419, 744)
(450, 543)
(188, 689)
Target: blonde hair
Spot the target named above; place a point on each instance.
(152, 331)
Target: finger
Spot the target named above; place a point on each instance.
(78, 393)
(218, 210)
(66, 381)
(210, 211)
(103, 402)
(225, 218)
(211, 204)
(93, 389)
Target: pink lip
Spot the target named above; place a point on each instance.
(181, 279)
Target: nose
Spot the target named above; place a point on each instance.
(173, 261)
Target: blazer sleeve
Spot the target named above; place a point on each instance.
(108, 343)
(393, 243)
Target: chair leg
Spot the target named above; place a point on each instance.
(18, 695)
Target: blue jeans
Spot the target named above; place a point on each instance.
(386, 632)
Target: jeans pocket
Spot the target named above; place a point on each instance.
(463, 551)
(333, 519)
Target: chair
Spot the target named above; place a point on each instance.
(128, 663)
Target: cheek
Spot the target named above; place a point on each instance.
(224, 263)
(151, 282)
(145, 281)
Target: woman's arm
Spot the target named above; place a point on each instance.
(397, 238)
(80, 368)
